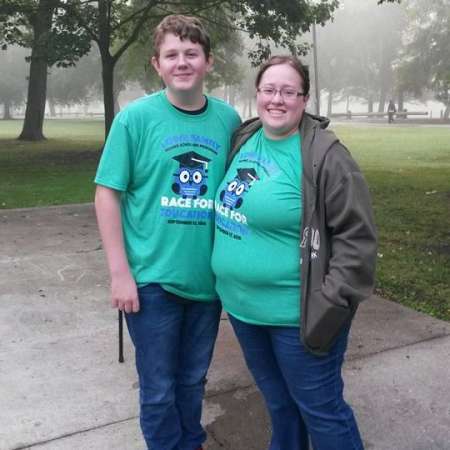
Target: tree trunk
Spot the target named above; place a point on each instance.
(382, 102)
(108, 91)
(401, 100)
(7, 110)
(116, 102)
(108, 61)
(244, 111)
(370, 104)
(330, 104)
(37, 84)
(385, 75)
(232, 95)
(51, 107)
(447, 111)
(225, 93)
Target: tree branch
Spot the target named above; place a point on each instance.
(83, 22)
(134, 35)
(132, 16)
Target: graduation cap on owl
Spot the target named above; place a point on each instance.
(248, 175)
(192, 160)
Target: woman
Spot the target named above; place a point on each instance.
(294, 254)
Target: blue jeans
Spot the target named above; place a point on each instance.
(174, 340)
(303, 392)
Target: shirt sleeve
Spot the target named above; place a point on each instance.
(115, 167)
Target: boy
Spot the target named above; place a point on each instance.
(163, 160)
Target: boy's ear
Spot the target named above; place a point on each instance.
(210, 63)
(155, 64)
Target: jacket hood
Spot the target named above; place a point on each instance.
(321, 121)
(317, 141)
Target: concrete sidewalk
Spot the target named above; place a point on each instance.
(62, 388)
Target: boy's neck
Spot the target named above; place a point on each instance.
(188, 101)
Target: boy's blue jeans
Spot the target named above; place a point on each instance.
(174, 340)
(303, 392)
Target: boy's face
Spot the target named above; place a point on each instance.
(182, 65)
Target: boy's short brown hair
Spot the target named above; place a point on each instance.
(185, 27)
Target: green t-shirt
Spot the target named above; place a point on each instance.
(256, 255)
(167, 165)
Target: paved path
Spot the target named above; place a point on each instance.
(61, 386)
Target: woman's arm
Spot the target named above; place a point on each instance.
(353, 238)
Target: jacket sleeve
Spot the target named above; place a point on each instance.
(350, 276)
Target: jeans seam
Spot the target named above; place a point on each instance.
(338, 369)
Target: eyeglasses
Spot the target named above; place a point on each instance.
(285, 92)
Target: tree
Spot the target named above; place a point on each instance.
(54, 38)
(357, 51)
(336, 44)
(394, 24)
(77, 84)
(116, 25)
(425, 62)
(12, 81)
(39, 18)
(245, 87)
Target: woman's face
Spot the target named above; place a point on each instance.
(280, 116)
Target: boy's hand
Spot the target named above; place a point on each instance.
(124, 293)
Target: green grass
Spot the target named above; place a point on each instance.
(407, 168)
(56, 171)
(408, 171)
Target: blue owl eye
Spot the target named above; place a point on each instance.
(184, 176)
(197, 177)
(232, 186)
(240, 189)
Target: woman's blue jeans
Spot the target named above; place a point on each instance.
(174, 340)
(303, 392)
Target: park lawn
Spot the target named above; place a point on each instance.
(56, 171)
(408, 171)
(407, 168)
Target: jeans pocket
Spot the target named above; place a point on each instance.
(322, 322)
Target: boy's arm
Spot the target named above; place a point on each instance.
(123, 287)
